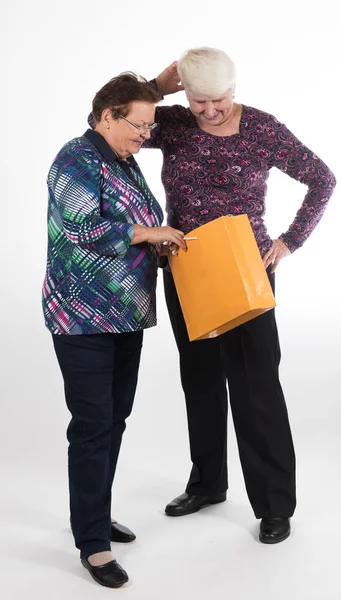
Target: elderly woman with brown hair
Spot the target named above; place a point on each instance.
(104, 227)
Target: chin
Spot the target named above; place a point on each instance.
(135, 148)
(217, 119)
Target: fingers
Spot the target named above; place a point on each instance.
(167, 236)
(173, 69)
(176, 237)
(273, 256)
(275, 264)
(174, 249)
(268, 258)
(169, 248)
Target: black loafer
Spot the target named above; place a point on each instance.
(110, 575)
(121, 533)
(274, 530)
(187, 504)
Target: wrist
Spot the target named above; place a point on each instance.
(140, 234)
(156, 84)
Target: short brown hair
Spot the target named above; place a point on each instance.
(120, 91)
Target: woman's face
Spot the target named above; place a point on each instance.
(211, 111)
(123, 137)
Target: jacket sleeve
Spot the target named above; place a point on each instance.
(74, 183)
(300, 163)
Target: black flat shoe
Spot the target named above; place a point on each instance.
(274, 530)
(121, 533)
(110, 575)
(187, 504)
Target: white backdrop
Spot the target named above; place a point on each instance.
(54, 57)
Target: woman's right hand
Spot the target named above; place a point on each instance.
(159, 235)
(168, 82)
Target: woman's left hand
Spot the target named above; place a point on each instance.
(277, 251)
(168, 82)
(169, 249)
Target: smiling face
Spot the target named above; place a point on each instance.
(210, 112)
(123, 137)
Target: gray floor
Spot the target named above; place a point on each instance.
(213, 553)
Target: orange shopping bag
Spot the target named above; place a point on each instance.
(221, 280)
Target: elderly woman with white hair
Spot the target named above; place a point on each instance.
(217, 156)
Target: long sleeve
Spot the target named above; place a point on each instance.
(74, 185)
(155, 140)
(300, 163)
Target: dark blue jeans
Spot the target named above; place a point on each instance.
(100, 376)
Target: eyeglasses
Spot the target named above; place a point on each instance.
(143, 127)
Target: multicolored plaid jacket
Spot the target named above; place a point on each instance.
(96, 282)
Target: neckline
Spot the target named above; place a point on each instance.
(129, 166)
(226, 137)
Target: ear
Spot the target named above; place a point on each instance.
(106, 117)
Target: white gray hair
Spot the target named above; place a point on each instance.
(206, 71)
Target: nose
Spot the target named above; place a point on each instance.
(209, 109)
(145, 134)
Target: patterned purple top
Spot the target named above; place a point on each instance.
(207, 176)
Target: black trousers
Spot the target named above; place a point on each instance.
(100, 376)
(248, 358)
